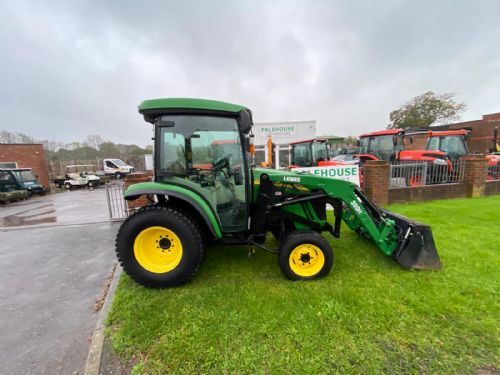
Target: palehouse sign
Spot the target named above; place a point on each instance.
(277, 130)
(338, 172)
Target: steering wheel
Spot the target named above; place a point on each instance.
(221, 163)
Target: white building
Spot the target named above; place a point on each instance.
(282, 134)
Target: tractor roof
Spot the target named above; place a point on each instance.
(381, 132)
(154, 105)
(309, 140)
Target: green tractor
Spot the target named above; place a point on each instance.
(231, 202)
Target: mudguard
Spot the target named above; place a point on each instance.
(195, 200)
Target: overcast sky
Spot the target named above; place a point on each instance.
(73, 68)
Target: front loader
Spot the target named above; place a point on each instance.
(232, 202)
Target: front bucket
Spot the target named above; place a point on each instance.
(416, 248)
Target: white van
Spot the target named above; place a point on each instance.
(116, 167)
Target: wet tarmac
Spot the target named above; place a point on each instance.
(55, 254)
(70, 207)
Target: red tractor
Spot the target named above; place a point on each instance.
(389, 145)
(312, 153)
(444, 147)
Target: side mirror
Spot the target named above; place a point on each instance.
(358, 143)
(394, 140)
(245, 121)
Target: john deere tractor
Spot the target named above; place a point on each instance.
(231, 202)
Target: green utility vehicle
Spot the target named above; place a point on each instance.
(163, 244)
(20, 179)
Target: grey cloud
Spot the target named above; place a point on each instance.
(68, 69)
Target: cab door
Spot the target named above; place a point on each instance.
(205, 154)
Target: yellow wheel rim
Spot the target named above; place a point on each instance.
(307, 260)
(158, 249)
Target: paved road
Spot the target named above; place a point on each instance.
(49, 279)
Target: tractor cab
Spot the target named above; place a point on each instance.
(203, 151)
(310, 153)
(381, 145)
(451, 142)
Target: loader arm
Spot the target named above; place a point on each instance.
(410, 243)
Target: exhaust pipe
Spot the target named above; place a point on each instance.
(416, 248)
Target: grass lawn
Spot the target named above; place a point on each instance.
(369, 316)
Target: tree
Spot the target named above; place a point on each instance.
(9, 137)
(350, 141)
(426, 110)
(109, 150)
(94, 141)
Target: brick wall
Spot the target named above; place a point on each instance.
(427, 193)
(376, 184)
(476, 170)
(492, 188)
(376, 181)
(27, 156)
(418, 142)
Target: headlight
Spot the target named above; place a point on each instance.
(440, 162)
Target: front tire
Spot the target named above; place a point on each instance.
(305, 255)
(160, 247)
(68, 186)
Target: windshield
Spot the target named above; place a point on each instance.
(198, 140)
(119, 162)
(382, 146)
(453, 145)
(301, 154)
(22, 176)
(225, 147)
(320, 151)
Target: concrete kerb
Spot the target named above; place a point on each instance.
(93, 363)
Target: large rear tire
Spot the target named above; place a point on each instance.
(160, 247)
(305, 255)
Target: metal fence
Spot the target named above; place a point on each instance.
(419, 173)
(493, 172)
(116, 203)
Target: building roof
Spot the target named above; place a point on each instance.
(189, 103)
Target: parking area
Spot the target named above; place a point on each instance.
(56, 253)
